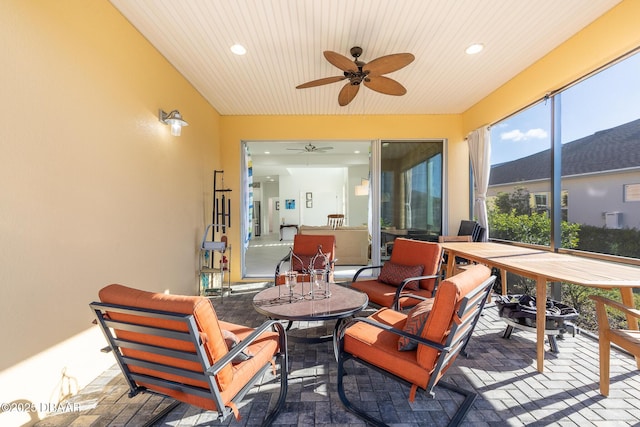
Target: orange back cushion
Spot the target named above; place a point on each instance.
(416, 252)
(204, 315)
(308, 244)
(446, 303)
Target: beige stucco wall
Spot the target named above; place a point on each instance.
(95, 190)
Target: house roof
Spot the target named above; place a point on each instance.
(610, 149)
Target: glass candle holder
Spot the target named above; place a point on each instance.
(290, 282)
(319, 285)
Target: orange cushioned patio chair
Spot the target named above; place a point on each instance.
(305, 247)
(628, 339)
(174, 345)
(417, 348)
(412, 269)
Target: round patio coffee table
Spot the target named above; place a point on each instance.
(342, 303)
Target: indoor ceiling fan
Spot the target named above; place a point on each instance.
(370, 74)
(310, 148)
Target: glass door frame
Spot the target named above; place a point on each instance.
(375, 168)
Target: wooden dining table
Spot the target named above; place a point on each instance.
(546, 266)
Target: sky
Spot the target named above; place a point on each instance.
(605, 100)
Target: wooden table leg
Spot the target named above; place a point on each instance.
(541, 320)
(451, 263)
(503, 280)
(627, 299)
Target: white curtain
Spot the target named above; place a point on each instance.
(480, 153)
(408, 183)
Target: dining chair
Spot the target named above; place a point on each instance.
(469, 231)
(471, 228)
(335, 220)
(175, 346)
(460, 263)
(628, 339)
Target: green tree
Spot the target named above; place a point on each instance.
(518, 201)
(534, 228)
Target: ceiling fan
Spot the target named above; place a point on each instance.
(310, 148)
(370, 74)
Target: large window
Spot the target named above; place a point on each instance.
(588, 203)
(600, 128)
(519, 183)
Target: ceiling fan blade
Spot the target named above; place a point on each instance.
(320, 82)
(385, 85)
(340, 61)
(389, 63)
(347, 93)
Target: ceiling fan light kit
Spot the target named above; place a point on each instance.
(358, 72)
(310, 148)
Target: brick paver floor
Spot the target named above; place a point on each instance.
(502, 371)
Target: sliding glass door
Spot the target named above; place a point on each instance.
(410, 191)
(393, 188)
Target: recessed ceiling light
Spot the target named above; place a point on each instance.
(357, 152)
(474, 48)
(267, 152)
(238, 49)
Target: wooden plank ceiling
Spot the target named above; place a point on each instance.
(285, 40)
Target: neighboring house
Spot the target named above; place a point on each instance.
(600, 178)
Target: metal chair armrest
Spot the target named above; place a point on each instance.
(370, 267)
(396, 298)
(391, 329)
(227, 358)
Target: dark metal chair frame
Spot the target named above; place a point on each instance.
(207, 375)
(456, 343)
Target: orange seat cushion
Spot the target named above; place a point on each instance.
(383, 294)
(380, 347)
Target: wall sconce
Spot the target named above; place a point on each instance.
(363, 188)
(174, 119)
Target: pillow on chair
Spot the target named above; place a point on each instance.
(232, 340)
(416, 319)
(394, 274)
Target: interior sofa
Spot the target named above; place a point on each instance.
(352, 243)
